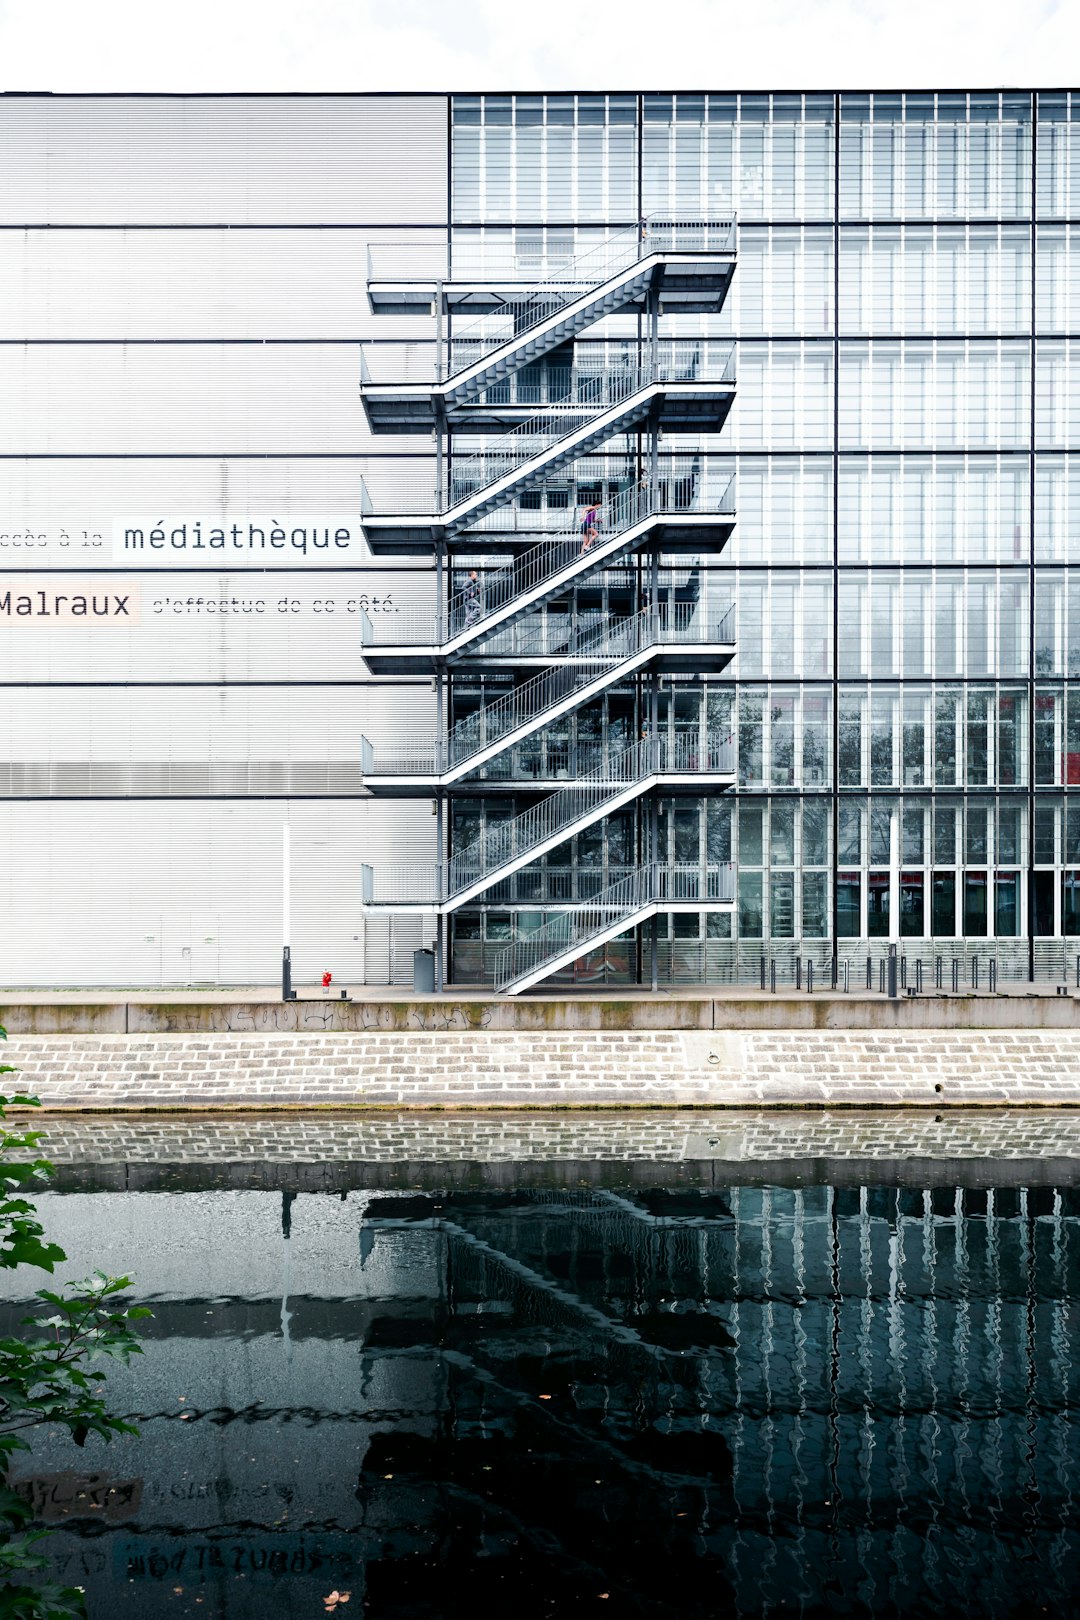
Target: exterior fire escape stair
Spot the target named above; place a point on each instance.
(684, 261)
(676, 635)
(632, 899)
(507, 847)
(536, 576)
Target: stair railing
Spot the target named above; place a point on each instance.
(581, 275)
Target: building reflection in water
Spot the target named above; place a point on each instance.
(744, 1400)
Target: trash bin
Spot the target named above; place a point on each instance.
(423, 971)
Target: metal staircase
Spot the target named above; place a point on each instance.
(697, 391)
(571, 934)
(688, 262)
(496, 455)
(595, 659)
(508, 846)
(545, 571)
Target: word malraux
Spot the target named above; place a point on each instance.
(203, 539)
(69, 600)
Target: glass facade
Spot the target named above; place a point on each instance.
(906, 446)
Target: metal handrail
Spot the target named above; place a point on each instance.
(554, 817)
(587, 273)
(592, 394)
(578, 928)
(588, 655)
(588, 396)
(560, 811)
(472, 608)
(532, 385)
(678, 479)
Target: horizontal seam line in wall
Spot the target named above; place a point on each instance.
(221, 455)
(124, 798)
(789, 221)
(384, 684)
(824, 94)
(286, 568)
(467, 92)
(1019, 335)
(377, 567)
(229, 225)
(419, 455)
(236, 342)
(809, 222)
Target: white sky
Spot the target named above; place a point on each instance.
(96, 45)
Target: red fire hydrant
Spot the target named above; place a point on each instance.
(327, 976)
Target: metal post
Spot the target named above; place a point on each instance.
(439, 302)
(653, 307)
(918, 975)
(869, 972)
(440, 457)
(903, 973)
(440, 733)
(938, 966)
(846, 979)
(955, 976)
(881, 977)
(287, 991)
(993, 976)
(763, 973)
(974, 972)
(892, 973)
(772, 975)
(798, 973)
(809, 975)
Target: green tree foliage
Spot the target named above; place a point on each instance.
(47, 1374)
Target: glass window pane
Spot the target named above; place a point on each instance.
(849, 905)
(782, 905)
(975, 904)
(750, 905)
(1070, 904)
(877, 905)
(912, 918)
(944, 905)
(1007, 905)
(815, 897)
(1042, 904)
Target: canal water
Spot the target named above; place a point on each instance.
(651, 1393)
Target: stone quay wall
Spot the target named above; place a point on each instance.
(218, 1014)
(672, 1137)
(542, 1069)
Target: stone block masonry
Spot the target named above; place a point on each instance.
(583, 1069)
(508, 1136)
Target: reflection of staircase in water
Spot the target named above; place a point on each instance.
(534, 1342)
(544, 1290)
